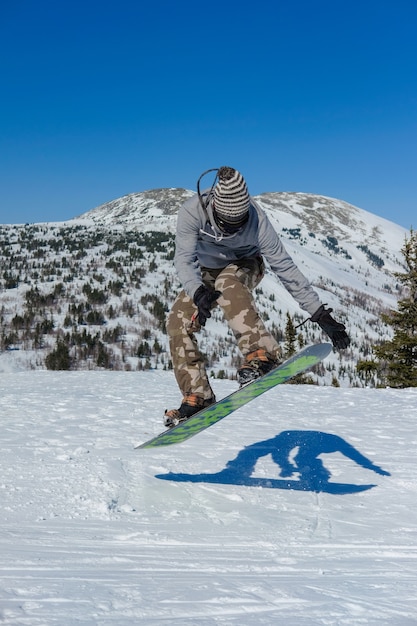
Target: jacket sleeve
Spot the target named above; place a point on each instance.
(185, 260)
(281, 263)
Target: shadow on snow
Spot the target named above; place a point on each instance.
(295, 452)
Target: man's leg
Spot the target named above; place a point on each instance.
(236, 282)
(187, 360)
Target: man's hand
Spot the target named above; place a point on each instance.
(204, 299)
(335, 330)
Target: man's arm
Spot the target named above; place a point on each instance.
(281, 263)
(185, 260)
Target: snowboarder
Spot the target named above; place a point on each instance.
(222, 238)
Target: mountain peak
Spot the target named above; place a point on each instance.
(141, 208)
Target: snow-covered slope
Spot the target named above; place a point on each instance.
(298, 509)
(334, 241)
(123, 251)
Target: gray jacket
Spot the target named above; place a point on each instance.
(199, 243)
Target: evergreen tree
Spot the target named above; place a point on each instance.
(59, 359)
(290, 348)
(367, 371)
(290, 337)
(398, 356)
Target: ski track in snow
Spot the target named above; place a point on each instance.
(95, 532)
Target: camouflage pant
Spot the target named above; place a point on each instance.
(235, 283)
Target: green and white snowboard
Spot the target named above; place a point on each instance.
(300, 362)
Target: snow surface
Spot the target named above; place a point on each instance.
(208, 532)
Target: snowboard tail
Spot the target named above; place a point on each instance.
(300, 362)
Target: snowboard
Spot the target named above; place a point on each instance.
(300, 362)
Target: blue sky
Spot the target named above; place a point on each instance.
(102, 98)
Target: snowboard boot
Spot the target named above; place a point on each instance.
(257, 363)
(190, 405)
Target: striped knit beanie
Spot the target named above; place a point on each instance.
(231, 196)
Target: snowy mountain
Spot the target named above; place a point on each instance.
(103, 283)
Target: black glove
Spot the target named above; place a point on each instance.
(204, 299)
(335, 330)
